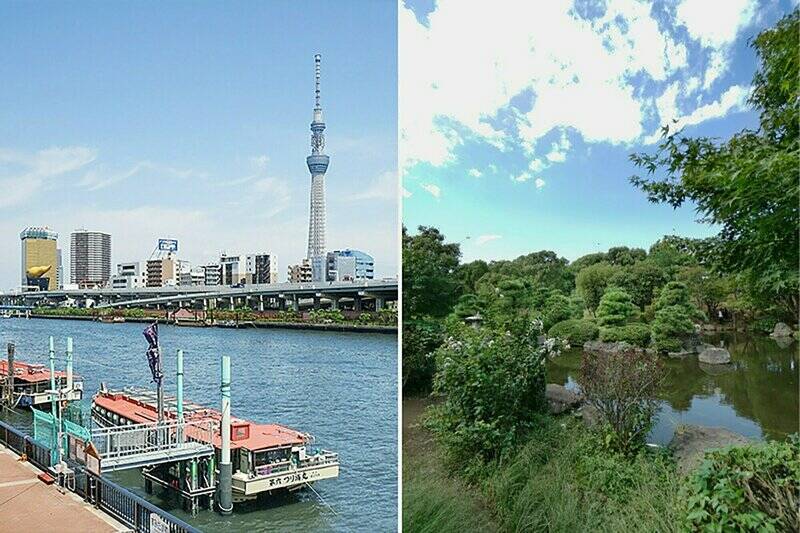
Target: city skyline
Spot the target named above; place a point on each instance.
(536, 150)
(144, 144)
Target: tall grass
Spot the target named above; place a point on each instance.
(563, 480)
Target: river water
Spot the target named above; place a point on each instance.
(756, 395)
(340, 387)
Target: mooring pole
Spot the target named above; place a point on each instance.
(53, 400)
(225, 467)
(179, 399)
(69, 364)
(10, 380)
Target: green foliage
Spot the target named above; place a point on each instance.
(328, 316)
(623, 387)
(750, 488)
(624, 256)
(492, 381)
(670, 326)
(563, 479)
(634, 334)
(640, 280)
(616, 308)
(557, 308)
(592, 281)
(469, 305)
(576, 332)
(708, 289)
(674, 317)
(470, 273)
(429, 284)
(421, 336)
(748, 184)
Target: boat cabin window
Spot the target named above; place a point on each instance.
(269, 457)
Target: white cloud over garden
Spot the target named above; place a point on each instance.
(605, 72)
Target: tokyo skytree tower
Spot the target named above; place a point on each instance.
(317, 165)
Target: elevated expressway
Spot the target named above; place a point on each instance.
(372, 294)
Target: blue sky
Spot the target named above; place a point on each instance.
(191, 120)
(522, 139)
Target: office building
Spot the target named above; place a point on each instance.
(231, 270)
(162, 272)
(349, 265)
(130, 276)
(211, 274)
(90, 258)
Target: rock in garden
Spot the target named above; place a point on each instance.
(590, 415)
(561, 398)
(690, 443)
(716, 370)
(714, 356)
(781, 330)
(783, 342)
(679, 355)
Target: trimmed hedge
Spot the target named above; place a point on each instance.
(636, 334)
(576, 331)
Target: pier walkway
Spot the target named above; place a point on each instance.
(27, 504)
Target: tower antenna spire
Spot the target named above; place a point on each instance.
(317, 75)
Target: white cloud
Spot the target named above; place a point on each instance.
(493, 168)
(522, 178)
(539, 183)
(537, 165)
(483, 239)
(715, 24)
(475, 173)
(717, 65)
(452, 87)
(559, 149)
(731, 101)
(382, 187)
(23, 174)
(432, 189)
(407, 193)
(275, 195)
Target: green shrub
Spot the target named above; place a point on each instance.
(576, 332)
(623, 387)
(420, 338)
(616, 308)
(493, 382)
(324, 316)
(750, 488)
(557, 308)
(635, 334)
(670, 326)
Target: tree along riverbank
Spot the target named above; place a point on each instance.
(243, 324)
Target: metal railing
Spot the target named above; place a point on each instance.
(132, 510)
(128, 508)
(116, 442)
(14, 439)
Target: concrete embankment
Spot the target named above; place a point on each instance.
(355, 328)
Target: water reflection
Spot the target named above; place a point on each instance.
(756, 395)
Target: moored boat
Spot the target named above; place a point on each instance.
(265, 457)
(31, 384)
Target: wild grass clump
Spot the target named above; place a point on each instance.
(564, 479)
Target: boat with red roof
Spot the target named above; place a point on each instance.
(265, 457)
(32, 387)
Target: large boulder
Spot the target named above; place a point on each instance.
(560, 398)
(712, 355)
(781, 330)
(690, 443)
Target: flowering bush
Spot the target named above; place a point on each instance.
(493, 381)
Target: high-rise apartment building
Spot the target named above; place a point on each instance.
(211, 274)
(231, 270)
(39, 259)
(90, 258)
(261, 268)
(300, 273)
(162, 272)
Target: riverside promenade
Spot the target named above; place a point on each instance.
(27, 504)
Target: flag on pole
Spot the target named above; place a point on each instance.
(153, 352)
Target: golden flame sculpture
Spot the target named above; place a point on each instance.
(38, 271)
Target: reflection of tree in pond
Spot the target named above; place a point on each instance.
(764, 388)
(684, 382)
